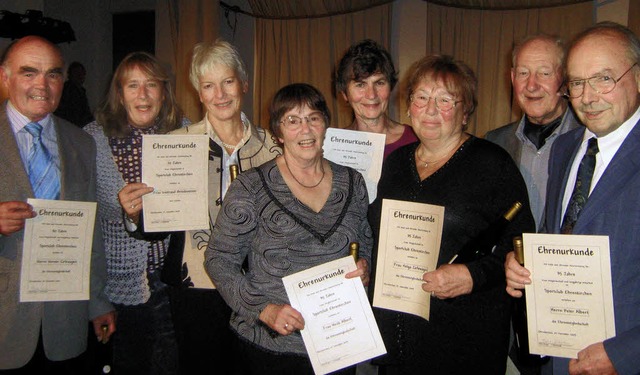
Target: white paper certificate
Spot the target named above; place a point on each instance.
(176, 167)
(362, 151)
(340, 329)
(570, 299)
(56, 252)
(408, 246)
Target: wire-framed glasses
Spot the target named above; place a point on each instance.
(602, 84)
(293, 122)
(443, 102)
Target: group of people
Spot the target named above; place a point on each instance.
(178, 302)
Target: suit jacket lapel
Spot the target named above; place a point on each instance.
(513, 144)
(69, 163)
(624, 165)
(557, 184)
(10, 155)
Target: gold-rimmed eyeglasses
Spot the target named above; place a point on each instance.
(602, 84)
(293, 122)
(443, 103)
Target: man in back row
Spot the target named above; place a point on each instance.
(537, 78)
(48, 158)
(604, 88)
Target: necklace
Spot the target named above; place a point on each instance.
(232, 147)
(226, 145)
(301, 184)
(434, 162)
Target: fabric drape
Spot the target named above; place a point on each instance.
(484, 39)
(504, 4)
(282, 9)
(182, 24)
(307, 50)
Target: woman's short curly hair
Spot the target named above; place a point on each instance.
(458, 78)
(362, 60)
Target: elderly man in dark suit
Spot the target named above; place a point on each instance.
(604, 88)
(39, 336)
(537, 78)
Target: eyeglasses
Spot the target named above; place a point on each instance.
(600, 84)
(443, 103)
(292, 122)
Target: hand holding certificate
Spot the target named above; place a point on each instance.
(56, 255)
(570, 299)
(409, 246)
(176, 167)
(340, 329)
(362, 151)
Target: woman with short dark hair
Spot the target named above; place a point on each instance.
(365, 77)
(287, 215)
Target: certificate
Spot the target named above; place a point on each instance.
(176, 166)
(56, 252)
(570, 299)
(408, 246)
(340, 329)
(362, 151)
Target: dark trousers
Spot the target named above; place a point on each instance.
(201, 319)
(144, 341)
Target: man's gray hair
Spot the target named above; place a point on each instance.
(552, 39)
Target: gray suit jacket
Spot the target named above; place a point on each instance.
(64, 324)
(505, 136)
(531, 161)
(613, 209)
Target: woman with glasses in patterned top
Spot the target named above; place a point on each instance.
(287, 215)
(476, 182)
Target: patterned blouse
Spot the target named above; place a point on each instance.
(127, 153)
(262, 220)
(129, 260)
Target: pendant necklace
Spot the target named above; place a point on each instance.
(451, 152)
(300, 183)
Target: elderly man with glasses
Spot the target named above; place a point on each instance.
(604, 89)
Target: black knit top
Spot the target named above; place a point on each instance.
(468, 334)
